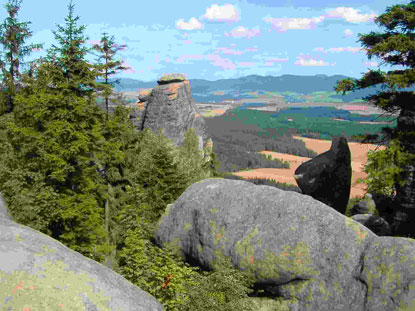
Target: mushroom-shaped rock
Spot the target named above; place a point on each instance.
(171, 78)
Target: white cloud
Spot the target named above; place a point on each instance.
(217, 61)
(183, 58)
(278, 60)
(246, 64)
(243, 32)
(345, 49)
(351, 15)
(192, 24)
(354, 50)
(224, 13)
(229, 51)
(348, 33)
(304, 60)
(282, 24)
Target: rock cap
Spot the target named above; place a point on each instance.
(144, 94)
(171, 78)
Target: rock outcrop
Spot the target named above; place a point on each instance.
(327, 177)
(40, 273)
(365, 206)
(376, 224)
(170, 106)
(298, 249)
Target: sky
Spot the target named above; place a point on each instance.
(214, 40)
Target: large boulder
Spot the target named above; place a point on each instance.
(170, 107)
(328, 176)
(40, 273)
(298, 249)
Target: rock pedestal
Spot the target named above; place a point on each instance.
(170, 107)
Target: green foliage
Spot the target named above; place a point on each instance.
(147, 266)
(344, 86)
(158, 174)
(63, 163)
(12, 36)
(384, 168)
(56, 133)
(268, 157)
(190, 159)
(394, 46)
(110, 67)
(223, 289)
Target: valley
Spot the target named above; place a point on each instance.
(359, 151)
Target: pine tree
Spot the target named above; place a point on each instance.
(110, 67)
(12, 36)
(395, 46)
(57, 135)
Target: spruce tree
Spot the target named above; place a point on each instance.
(12, 36)
(109, 68)
(394, 46)
(57, 136)
(109, 49)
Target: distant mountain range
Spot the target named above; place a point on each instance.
(205, 90)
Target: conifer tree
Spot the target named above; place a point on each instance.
(395, 46)
(109, 48)
(57, 138)
(13, 35)
(109, 68)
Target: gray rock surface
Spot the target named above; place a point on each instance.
(298, 248)
(144, 95)
(171, 108)
(4, 212)
(41, 273)
(376, 224)
(327, 177)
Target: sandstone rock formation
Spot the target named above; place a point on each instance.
(144, 95)
(298, 248)
(141, 105)
(327, 177)
(376, 224)
(170, 107)
(365, 206)
(40, 273)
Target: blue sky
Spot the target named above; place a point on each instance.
(214, 40)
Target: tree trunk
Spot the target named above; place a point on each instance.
(404, 214)
(110, 258)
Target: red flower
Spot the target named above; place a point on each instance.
(167, 281)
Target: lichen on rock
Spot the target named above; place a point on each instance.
(171, 78)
